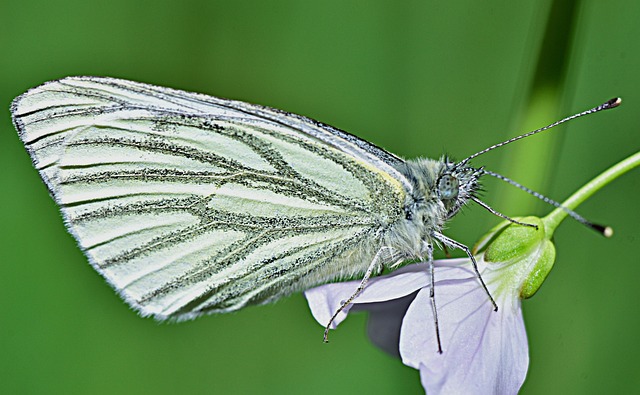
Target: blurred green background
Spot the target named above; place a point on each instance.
(417, 78)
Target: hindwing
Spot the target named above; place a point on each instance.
(188, 203)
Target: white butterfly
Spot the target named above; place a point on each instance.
(190, 204)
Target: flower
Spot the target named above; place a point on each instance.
(484, 351)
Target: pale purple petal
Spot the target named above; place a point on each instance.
(325, 300)
(483, 351)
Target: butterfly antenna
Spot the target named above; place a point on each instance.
(606, 231)
(615, 102)
(499, 214)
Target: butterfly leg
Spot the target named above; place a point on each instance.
(445, 240)
(375, 263)
(432, 295)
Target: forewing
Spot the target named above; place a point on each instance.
(188, 203)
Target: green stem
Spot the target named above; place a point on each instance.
(552, 220)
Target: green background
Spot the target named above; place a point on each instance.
(417, 78)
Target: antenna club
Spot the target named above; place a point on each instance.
(613, 103)
(608, 232)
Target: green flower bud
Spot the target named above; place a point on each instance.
(523, 254)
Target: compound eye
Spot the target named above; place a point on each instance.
(448, 187)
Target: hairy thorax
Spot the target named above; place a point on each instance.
(425, 212)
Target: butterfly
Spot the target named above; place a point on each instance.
(189, 204)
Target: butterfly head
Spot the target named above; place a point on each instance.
(456, 184)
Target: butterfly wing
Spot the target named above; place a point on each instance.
(188, 203)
